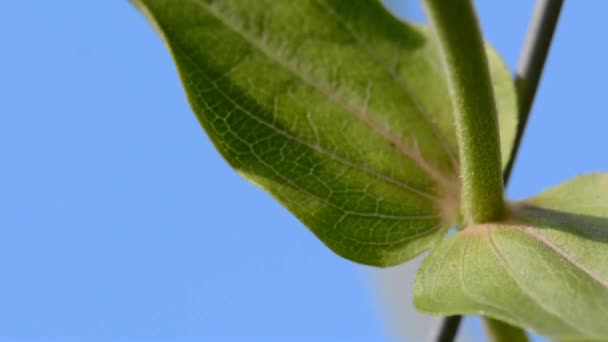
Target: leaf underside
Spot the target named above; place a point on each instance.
(547, 268)
(336, 108)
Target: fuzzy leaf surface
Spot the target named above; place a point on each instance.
(336, 108)
(546, 269)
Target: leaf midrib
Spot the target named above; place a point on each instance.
(332, 94)
(424, 232)
(506, 265)
(533, 233)
(316, 147)
(465, 288)
(299, 188)
(380, 60)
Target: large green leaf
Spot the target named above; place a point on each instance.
(336, 108)
(547, 268)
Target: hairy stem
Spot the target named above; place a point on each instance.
(457, 29)
(527, 77)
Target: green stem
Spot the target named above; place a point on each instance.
(529, 70)
(499, 331)
(457, 30)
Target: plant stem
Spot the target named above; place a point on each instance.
(457, 29)
(527, 77)
(447, 329)
(531, 64)
(499, 331)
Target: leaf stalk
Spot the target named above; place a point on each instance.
(499, 331)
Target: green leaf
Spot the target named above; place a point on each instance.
(336, 108)
(547, 268)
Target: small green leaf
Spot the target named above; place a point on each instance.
(547, 268)
(336, 108)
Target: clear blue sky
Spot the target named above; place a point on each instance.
(120, 222)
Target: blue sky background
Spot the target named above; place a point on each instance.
(120, 222)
